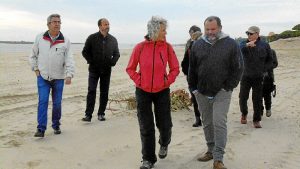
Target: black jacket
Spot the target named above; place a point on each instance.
(101, 53)
(186, 59)
(257, 60)
(215, 66)
(275, 64)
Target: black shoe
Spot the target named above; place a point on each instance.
(146, 165)
(39, 133)
(101, 118)
(198, 122)
(57, 130)
(268, 113)
(163, 152)
(87, 118)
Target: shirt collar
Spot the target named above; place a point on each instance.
(53, 38)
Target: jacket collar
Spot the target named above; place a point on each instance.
(148, 40)
(257, 40)
(102, 37)
(60, 39)
(222, 35)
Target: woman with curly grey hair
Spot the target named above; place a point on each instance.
(154, 26)
(152, 81)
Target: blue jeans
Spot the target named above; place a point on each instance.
(44, 88)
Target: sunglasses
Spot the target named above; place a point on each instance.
(249, 33)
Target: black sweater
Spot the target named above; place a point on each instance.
(215, 66)
(101, 53)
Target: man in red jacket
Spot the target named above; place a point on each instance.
(152, 86)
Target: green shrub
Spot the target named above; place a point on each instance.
(297, 27)
(289, 34)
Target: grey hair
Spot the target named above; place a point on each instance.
(154, 26)
(52, 16)
(212, 18)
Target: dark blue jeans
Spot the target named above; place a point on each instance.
(44, 88)
(162, 112)
(104, 81)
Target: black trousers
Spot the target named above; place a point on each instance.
(268, 87)
(256, 84)
(195, 104)
(162, 112)
(104, 80)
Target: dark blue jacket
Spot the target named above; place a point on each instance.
(258, 59)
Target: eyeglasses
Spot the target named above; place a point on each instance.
(249, 33)
(56, 22)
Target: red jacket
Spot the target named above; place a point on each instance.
(152, 58)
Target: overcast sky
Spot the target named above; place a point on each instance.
(24, 19)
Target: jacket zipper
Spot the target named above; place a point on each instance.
(49, 62)
(103, 47)
(153, 66)
(162, 59)
(165, 76)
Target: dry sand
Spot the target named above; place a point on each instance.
(115, 143)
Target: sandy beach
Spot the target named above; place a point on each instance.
(115, 143)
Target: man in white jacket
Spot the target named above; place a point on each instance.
(52, 62)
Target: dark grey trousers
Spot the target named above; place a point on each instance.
(214, 118)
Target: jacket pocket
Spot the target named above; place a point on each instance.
(60, 51)
(139, 81)
(166, 82)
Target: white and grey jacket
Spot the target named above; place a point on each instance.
(54, 60)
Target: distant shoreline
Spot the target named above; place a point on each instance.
(16, 42)
(126, 45)
(23, 42)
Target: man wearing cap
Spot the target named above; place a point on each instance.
(195, 33)
(258, 60)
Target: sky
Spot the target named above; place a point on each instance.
(24, 19)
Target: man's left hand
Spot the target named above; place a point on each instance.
(68, 80)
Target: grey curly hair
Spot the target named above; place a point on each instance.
(154, 26)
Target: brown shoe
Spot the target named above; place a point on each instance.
(206, 157)
(219, 165)
(256, 124)
(244, 119)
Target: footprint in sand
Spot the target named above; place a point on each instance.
(33, 164)
(13, 143)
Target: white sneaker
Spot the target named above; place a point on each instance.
(268, 113)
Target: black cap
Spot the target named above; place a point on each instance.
(195, 28)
